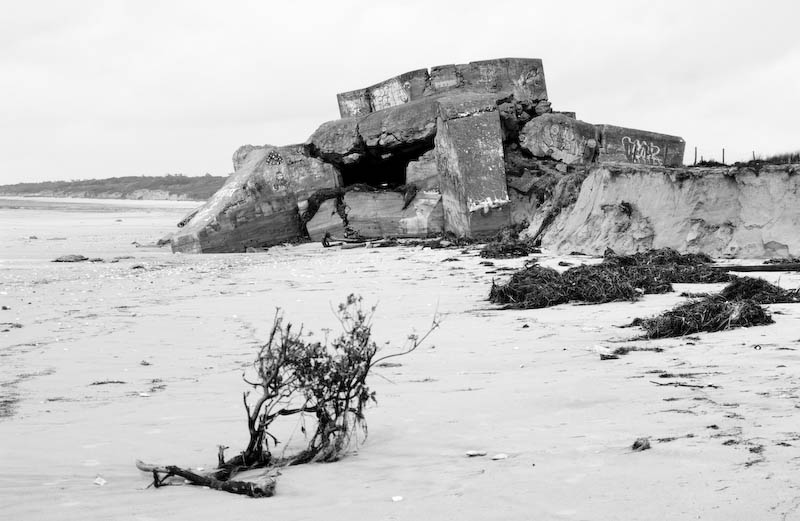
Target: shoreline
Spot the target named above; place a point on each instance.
(7, 202)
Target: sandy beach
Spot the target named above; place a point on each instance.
(140, 356)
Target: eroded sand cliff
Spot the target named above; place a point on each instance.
(739, 211)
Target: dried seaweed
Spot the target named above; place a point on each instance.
(508, 244)
(759, 290)
(714, 313)
(531, 287)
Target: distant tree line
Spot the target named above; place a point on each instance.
(177, 185)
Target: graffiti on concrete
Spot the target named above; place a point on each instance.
(641, 152)
(488, 78)
(355, 107)
(281, 182)
(531, 77)
(389, 94)
(563, 138)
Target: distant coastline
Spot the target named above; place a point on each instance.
(93, 204)
(158, 188)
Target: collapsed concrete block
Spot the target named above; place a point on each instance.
(337, 141)
(388, 93)
(561, 138)
(398, 90)
(354, 103)
(627, 145)
(258, 205)
(443, 78)
(469, 153)
(424, 173)
(521, 77)
(401, 126)
(380, 214)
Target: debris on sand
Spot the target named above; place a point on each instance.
(783, 260)
(669, 265)
(71, 258)
(622, 351)
(660, 257)
(507, 244)
(617, 278)
(508, 249)
(531, 287)
(640, 444)
(739, 304)
(760, 291)
(604, 283)
(711, 314)
(5, 327)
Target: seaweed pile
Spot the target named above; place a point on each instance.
(617, 278)
(710, 314)
(759, 290)
(739, 304)
(531, 287)
(507, 244)
(668, 264)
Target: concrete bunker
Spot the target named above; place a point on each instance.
(466, 149)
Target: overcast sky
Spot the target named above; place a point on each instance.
(93, 89)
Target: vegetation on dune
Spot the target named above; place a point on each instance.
(178, 185)
(779, 159)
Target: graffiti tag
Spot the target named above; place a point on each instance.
(641, 152)
(389, 94)
(561, 137)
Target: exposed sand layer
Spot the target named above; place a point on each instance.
(177, 330)
(743, 212)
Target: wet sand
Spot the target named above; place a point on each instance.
(177, 331)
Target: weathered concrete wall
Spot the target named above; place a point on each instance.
(258, 205)
(469, 151)
(522, 77)
(627, 145)
(720, 211)
(561, 138)
(423, 172)
(380, 214)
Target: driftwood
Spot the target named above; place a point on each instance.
(265, 487)
(681, 384)
(789, 266)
